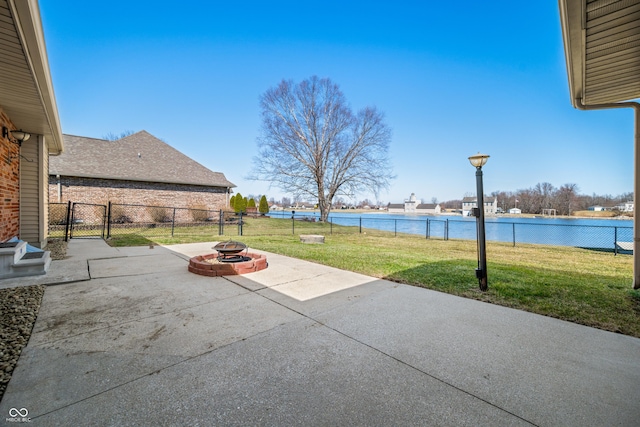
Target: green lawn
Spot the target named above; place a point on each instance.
(582, 286)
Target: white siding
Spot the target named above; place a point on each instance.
(32, 203)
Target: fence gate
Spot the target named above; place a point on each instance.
(87, 220)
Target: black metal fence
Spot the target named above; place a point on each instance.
(80, 220)
(614, 238)
(77, 220)
(113, 220)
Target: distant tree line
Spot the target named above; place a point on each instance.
(111, 136)
(564, 199)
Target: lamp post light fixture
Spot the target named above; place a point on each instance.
(477, 161)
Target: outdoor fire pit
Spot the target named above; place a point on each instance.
(231, 251)
(232, 258)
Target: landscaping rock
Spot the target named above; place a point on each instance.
(18, 310)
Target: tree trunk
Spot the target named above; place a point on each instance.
(325, 208)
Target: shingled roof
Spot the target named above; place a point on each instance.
(475, 199)
(427, 206)
(137, 157)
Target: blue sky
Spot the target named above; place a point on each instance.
(452, 81)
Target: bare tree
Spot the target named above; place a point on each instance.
(312, 144)
(565, 199)
(113, 137)
(543, 195)
(505, 200)
(451, 204)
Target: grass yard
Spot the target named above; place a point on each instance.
(582, 286)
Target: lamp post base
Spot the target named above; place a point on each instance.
(481, 275)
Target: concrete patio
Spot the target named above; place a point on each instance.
(127, 336)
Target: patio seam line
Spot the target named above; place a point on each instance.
(284, 283)
(404, 363)
(229, 279)
(66, 282)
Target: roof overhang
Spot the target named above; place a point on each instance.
(602, 50)
(26, 88)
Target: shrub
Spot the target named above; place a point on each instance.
(199, 213)
(58, 213)
(263, 207)
(159, 214)
(240, 204)
(251, 203)
(119, 214)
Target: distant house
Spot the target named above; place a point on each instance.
(303, 206)
(428, 208)
(411, 205)
(596, 208)
(625, 207)
(515, 211)
(137, 169)
(395, 208)
(490, 205)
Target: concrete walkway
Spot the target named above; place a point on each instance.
(128, 336)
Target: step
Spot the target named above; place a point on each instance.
(15, 261)
(11, 253)
(31, 264)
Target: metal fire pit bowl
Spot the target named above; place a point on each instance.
(230, 251)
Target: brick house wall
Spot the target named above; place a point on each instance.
(9, 184)
(102, 191)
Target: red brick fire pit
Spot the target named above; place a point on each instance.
(209, 265)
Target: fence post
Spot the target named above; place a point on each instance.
(240, 224)
(395, 227)
(109, 220)
(67, 222)
(105, 217)
(173, 221)
(615, 240)
(220, 223)
(72, 219)
(330, 226)
(446, 230)
(360, 225)
(293, 222)
(427, 229)
(514, 233)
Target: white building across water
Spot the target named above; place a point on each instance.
(490, 205)
(412, 206)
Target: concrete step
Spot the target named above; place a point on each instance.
(10, 253)
(15, 261)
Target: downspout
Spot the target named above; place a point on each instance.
(636, 177)
(59, 189)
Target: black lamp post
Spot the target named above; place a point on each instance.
(478, 161)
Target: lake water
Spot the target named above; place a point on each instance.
(578, 232)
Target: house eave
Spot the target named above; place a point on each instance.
(601, 42)
(26, 84)
(133, 179)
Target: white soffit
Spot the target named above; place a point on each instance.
(26, 89)
(602, 49)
